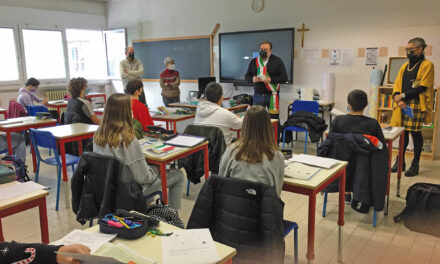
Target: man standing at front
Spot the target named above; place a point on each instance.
(131, 69)
(267, 72)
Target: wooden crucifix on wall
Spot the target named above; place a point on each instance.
(303, 30)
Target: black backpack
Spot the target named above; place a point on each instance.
(243, 99)
(21, 171)
(422, 211)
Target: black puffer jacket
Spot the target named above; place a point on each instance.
(101, 184)
(367, 170)
(315, 125)
(242, 214)
(193, 164)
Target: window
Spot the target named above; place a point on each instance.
(115, 42)
(8, 55)
(86, 51)
(44, 54)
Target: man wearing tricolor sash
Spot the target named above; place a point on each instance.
(267, 72)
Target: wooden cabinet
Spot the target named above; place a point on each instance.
(430, 132)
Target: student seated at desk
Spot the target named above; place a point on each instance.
(356, 122)
(13, 252)
(79, 109)
(140, 111)
(211, 112)
(18, 145)
(115, 137)
(26, 95)
(255, 156)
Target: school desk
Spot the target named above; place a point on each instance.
(235, 109)
(390, 137)
(4, 112)
(311, 188)
(89, 96)
(274, 123)
(59, 104)
(171, 120)
(70, 133)
(99, 111)
(20, 124)
(22, 203)
(151, 247)
(163, 160)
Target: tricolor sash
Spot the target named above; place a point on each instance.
(272, 87)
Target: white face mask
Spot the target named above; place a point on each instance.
(171, 67)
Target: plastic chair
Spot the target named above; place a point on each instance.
(45, 139)
(289, 226)
(309, 106)
(324, 208)
(34, 109)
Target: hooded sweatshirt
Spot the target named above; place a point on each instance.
(26, 98)
(211, 114)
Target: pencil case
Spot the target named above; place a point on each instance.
(129, 228)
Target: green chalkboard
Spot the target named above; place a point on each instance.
(193, 56)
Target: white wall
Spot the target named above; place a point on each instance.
(334, 24)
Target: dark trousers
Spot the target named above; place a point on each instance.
(167, 101)
(264, 100)
(418, 143)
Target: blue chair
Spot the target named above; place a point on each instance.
(34, 109)
(45, 139)
(324, 208)
(309, 106)
(289, 226)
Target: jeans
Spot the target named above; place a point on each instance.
(262, 99)
(18, 145)
(167, 101)
(175, 182)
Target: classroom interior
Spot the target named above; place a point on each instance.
(344, 25)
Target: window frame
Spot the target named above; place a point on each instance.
(106, 50)
(18, 55)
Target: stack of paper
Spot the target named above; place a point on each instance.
(20, 189)
(315, 161)
(123, 254)
(92, 240)
(185, 141)
(300, 171)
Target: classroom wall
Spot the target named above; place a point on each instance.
(341, 24)
(69, 17)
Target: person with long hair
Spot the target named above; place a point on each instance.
(255, 156)
(79, 104)
(413, 89)
(115, 137)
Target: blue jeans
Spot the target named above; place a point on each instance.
(262, 99)
(18, 145)
(175, 183)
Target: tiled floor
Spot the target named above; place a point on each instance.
(387, 243)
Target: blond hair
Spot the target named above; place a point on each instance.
(257, 138)
(116, 128)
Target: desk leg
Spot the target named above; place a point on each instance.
(206, 161)
(64, 170)
(390, 157)
(238, 133)
(399, 167)
(8, 137)
(167, 125)
(275, 131)
(163, 175)
(341, 211)
(34, 159)
(80, 147)
(59, 115)
(44, 226)
(2, 239)
(311, 229)
(175, 127)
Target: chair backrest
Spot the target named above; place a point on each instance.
(15, 110)
(253, 223)
(44, 139)
(309, 106)
(34, 109)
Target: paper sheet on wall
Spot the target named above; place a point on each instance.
(347, 57)
(312, 56)
(189, 246)
(335, 57)
(371, 56)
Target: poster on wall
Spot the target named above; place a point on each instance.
(334, 57)
(371, 56)
(347, 57)
(312, 56)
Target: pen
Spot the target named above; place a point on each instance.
(122, 221)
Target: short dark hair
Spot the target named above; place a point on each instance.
(265, 42)
(133, 86)
(32, 81)
(76, 85)
(358, 100)
(213, 92)
(419, 42)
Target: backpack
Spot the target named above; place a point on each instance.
(422, 211)
(165, 213)
(243, 99)
(21, 172)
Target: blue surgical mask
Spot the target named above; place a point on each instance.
(348, 109)
(87, 90)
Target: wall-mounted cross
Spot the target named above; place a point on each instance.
(303, 30)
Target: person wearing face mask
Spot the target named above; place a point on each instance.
(27, 96)
(170, 81)
(266, 72)
(131, 69)
(413, 87)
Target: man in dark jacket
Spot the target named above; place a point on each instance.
(242, 214)
(367, 170)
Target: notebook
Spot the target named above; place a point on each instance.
(185, 141)
(300, 171)
(315, 161)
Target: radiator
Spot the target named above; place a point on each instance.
(55, 95)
